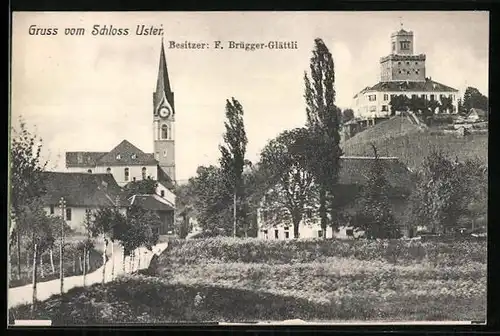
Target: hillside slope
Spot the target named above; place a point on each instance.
(400, 137)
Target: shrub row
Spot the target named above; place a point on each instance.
(296, 251)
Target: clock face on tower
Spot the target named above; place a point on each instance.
(164, 112)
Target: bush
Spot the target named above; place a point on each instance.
(293, 251)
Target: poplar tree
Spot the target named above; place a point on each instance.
(323, 121)
(233, 150)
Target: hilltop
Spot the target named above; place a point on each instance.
(402, 137)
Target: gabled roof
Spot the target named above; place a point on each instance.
(82, 189)
(480, 112)
(129, 155)
(151, 202)
(409, 86)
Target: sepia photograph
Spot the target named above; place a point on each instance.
(248, 168)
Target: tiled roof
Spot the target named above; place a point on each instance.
(165, 179)
(123, 154)
(151, 202)
(82, 189)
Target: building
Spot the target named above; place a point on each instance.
(352, 178)
(163, 208)
(81, 193)
(402, 72)
(128, 163)
(476, 114)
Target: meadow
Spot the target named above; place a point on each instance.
(237, 280)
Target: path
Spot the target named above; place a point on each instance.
(24, 294)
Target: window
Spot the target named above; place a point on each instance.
(416, 71)
(399, 71)
(407, 72)
(384, 108)
(413, 96)
(126, 174)
(162, 193)
(373, 108)
(108, 170)
(89, 171)
(372, 97)
(287, 234)
(432, 97)
(393, 46)
(407, 63)
(164, 132)
(320, 233)
(349, 232)
(68, 214)
(143, 173)
(276, 234)
(51, 209)
(405, 45)
(399, 63)
(386, 97)
(416, 63)
(165, 153)
(118, 157)
(393, 96)
(134, 156)
(265, 233)
(423, 96)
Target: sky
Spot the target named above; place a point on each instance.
(88, 93)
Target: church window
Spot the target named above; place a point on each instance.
(108, 170)
(89, 171)
(164, 132)
(143, 173)
(126, 174)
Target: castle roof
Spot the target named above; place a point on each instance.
(408, 86)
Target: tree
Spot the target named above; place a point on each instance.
(141, 187)
(26, 181)
(323, 122)
(233, 154)
(474, 99)
(376, 215)
(440, 197)
(347, 115)
(400, 103)
(446, 105)
(292, 194)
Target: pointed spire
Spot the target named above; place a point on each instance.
(163, 83)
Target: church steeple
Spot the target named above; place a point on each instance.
(163, 94)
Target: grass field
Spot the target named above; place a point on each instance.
(240, 280)
(411, 144)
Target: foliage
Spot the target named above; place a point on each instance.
(323, 121)
(420, 105)
(26, 178)
(347, 114)
(293, 193)
(141, 187)
(377, 218)
(108, 223)
(474, 99)
(442, 195)
(232, 159)
(138, 231)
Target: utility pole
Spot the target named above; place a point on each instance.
(62, 205)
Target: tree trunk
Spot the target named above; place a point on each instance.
(18, 245)
(104, 261)
(28, 262)
(35, 252)
(112, 260)
(84, 270)
(80, 263)
(74, 264)
(234, 214)
(41, 266)
(51, 252)
(296, 224)
(123, 261)
(322, 210)
(139, 261)
(88, 261)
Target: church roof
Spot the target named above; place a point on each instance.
(125, 154)
(82, 189)
(409, 86)
(163, 82)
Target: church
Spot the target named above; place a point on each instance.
(125, 163)
(402, 72)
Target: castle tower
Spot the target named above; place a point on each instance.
(164, 119)
(402, 64)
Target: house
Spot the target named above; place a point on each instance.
(402, 72)
(81, 192)
(353, 177)
(476, 114)
(163, 208)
